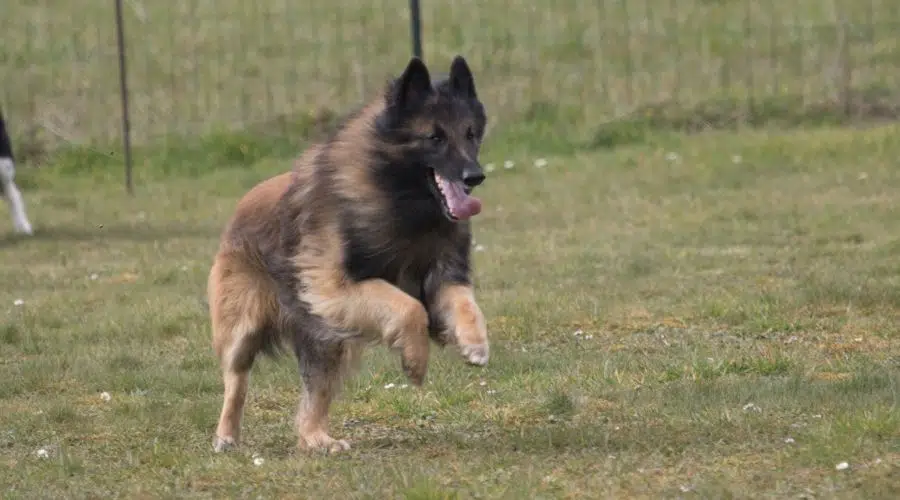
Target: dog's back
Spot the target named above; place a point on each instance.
(240, 289)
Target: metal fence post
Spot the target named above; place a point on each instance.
(415, 21)
(123, 89)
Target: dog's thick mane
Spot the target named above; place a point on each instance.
(363, 166)
(364, 182)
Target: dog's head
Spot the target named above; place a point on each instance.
(438, 128)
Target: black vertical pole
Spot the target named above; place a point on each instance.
(415, 21)
(123, 89)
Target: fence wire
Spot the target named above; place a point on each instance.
(210, 65)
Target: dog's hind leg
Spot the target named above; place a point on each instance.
(241, 309)
(13, 196)
(324, 365)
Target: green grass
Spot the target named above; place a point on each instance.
(730, 291)
(672, 313)
(566, 67)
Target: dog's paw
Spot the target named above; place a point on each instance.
(323, 442)
(222, 444)
(415, 370)
(23, 227)
(475, 354)
(414, 358)
(338, 445)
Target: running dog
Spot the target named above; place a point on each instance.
(366, 240)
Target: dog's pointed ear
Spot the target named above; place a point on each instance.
(462, 83)
(413, 86)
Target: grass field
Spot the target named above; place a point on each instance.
(712, 315)
(672, 314)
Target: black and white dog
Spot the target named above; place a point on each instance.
(8, 186)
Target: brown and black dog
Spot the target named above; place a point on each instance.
(366, 240)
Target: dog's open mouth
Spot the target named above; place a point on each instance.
(455, 198)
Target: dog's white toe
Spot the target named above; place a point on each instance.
(476, 354)
(223, 444)
(23, 227)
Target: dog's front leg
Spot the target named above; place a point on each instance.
(463, 321)
(374, 306)
(13, 196)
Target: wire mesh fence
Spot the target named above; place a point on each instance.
(195, 67)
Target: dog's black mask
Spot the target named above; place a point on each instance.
(439, 127)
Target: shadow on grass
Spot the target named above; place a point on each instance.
(111, 232)
(545, 127)
(556, 128)
(188, 156)
(863, 106)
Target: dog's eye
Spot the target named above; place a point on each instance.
(470, 135)
(436, 137)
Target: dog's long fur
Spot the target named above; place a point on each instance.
(354, 246)
(8, 187)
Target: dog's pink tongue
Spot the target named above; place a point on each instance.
(461, 205)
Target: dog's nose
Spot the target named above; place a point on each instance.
(473, 176)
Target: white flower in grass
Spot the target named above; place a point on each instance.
(508, 164)
(842, 466)
(540, 163)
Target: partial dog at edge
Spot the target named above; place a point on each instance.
(8, 187)
(366, 240)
